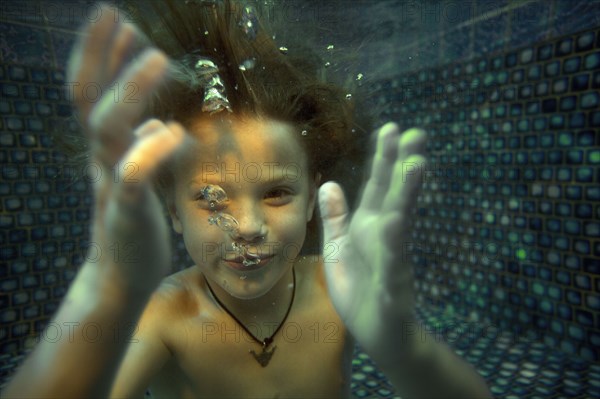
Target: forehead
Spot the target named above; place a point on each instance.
(239, 143)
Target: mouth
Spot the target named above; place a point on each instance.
(247, 263)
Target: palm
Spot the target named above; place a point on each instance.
(369, 281)
(128, 222)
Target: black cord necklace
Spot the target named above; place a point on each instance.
(265, 356)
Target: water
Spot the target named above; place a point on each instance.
(506, 240)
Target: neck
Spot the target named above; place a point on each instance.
(269, 308)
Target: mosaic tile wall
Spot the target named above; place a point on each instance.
(44, 215)
(512, 112)
(508, 227)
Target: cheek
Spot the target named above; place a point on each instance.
(289, 227)
(202, 240)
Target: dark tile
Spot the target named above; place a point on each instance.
(23, 45)
(62, 44)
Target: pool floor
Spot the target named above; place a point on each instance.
(513, 366)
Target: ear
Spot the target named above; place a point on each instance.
(313, 185)
(175, 221)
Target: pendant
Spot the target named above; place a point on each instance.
(265, 357)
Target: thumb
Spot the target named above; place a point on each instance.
(155, 142)
(334, 211)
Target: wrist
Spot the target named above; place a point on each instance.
(101, 286)
(414, 347)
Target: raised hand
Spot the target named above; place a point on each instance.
(369, 279)
(130, 244)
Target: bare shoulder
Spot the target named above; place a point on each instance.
(177, 292)
(172, 300)
(155, 336)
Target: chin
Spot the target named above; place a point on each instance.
(247, 291)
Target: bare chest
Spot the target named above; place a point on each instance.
(310, 357)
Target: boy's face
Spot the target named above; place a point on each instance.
(262, 170)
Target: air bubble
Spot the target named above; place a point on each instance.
(250, 262)
(304, 133)
(227, 222)
(214, 194)
(247, 64)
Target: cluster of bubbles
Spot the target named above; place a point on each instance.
(216, 195)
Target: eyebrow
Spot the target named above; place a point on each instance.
(200, 182)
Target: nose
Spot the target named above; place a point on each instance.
(251, 223)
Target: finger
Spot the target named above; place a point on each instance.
(406, 182)
(397, 275)
(383, 161)
(334, 211)
(112, 119)
(89, 56)
(406, 172)
(156, 141)
(123, 44)
(411, 142)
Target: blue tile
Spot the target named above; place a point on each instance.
(572, 65)
(592, 229)
(17, 73)
(544, 52)
(592, 61)
(576, 120)
(586, 138)
(594, 119)
(560, 85)
(568, 103)
(542, 89)
(584, 175)
(9, 90)
(584, 41)
(40, 264)
(584, 317)
(564, 47)
(590, 100)
(592, 301)
(31, 281)
(564, 312)
(552, 69)
(580, 82)
(549, 105)
(583, 210)
(573, 297)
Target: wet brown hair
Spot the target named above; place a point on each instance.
(282, 86)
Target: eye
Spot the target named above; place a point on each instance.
(212, 197)
(209, 204)
(279, 196)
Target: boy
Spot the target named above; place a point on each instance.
(252, 318)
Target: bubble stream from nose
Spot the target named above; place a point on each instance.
(216, 195)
